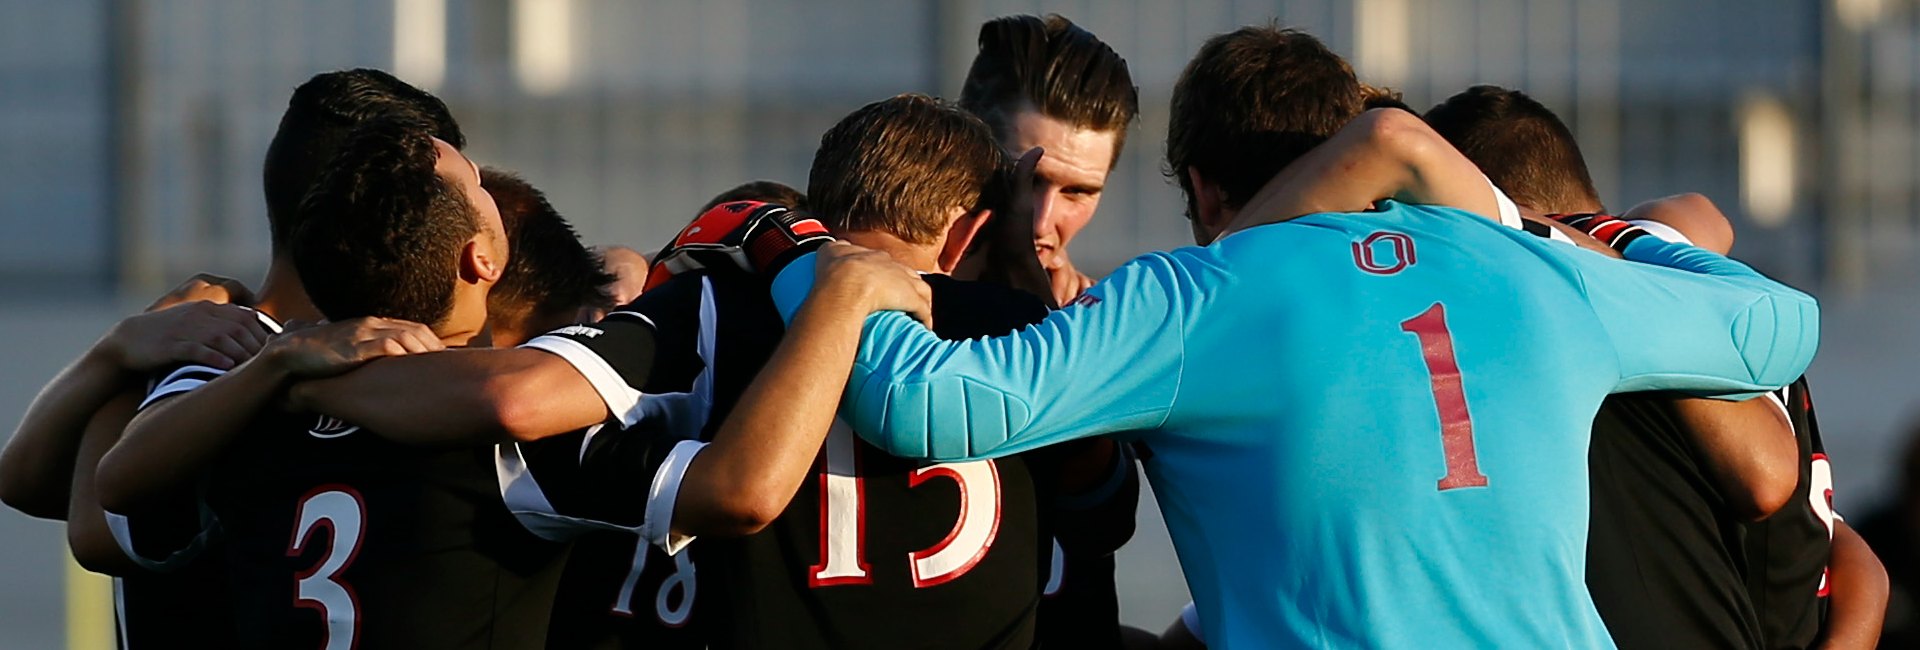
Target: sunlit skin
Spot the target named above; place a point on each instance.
(488, 254)
(1069, 182)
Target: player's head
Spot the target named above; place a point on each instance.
(912, 168)
(397, 226)
(1250, 103)
(773, 192)
(1046, 82)
(319, 116)
(550, 276)
(1523, 147)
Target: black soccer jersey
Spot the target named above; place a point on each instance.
(336, 538)
(617, 590)
(874, 551)
(1787, 554)
(1663, 562)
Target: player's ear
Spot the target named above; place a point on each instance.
(1209, 202)
(481, 261)
(959, 236)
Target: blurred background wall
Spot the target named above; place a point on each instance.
(131, 135)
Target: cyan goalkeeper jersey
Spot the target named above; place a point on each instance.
(1368, 429)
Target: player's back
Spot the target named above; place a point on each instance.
(337, 538)
(874, 551)
(1424, 387)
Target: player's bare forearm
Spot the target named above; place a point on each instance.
(459, 397)
(1748, 448)
(1693, 215)
(88, 536)
(762, 452)
(1859, 592)
(36, 466)
(177, 438)
(1385, 153)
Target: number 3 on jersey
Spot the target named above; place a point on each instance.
(340, 511)
(843, 519)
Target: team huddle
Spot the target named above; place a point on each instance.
(1414, 387)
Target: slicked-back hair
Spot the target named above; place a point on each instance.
(319, 116)
(1052, 66)
(1521, 146)
(1251, 102)
(901, 165)
(773, 192)
(381, 232)
(548, 270)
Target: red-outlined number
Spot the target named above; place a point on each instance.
(1820, 496)
(843, 521)
(342, 512)
(670, 612)
(1449, 397)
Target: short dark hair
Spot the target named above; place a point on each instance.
(548, 270)
(319, 116)
(1055, 67)
(763, 191)
(381, 231)
(1251, 102)
(1521, 146)
(900, 165)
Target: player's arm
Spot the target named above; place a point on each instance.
(1691, 216)
(559, 382)
(459, 397)
(916, 396)
(1095, 493)
(36, 466)
(759, 456)
(1385, 153)
(172, 440)
(1859, 592)
(88, 535)
(1749, 449)
(1704, 324)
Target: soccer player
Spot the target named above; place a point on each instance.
(1693, 469)
(1392, 431)
(179, 609)
(1046, 82)
(550, 276)
(618, 591)
(810, 581)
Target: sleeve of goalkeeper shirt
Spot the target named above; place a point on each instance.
(1108, 362)
(1724, 329)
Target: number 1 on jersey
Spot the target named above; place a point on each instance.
(1443, 370)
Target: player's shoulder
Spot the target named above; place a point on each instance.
(964, 309)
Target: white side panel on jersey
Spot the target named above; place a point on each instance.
(521, 493)
(1661, 230)
(1057, 575)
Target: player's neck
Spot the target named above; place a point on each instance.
(283, 297)
(919, 257)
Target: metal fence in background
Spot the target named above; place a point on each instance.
(131, 131)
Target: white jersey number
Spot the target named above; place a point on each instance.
(664, 608)
(340, 511)
(843, 522)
